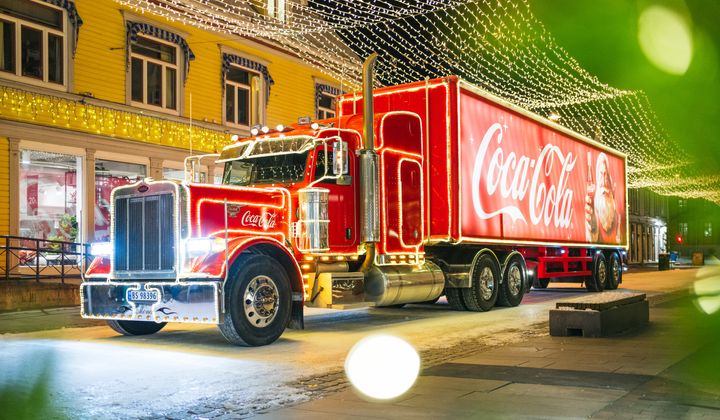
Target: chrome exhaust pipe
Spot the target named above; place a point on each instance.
(369, 171)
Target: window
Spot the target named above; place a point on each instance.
(108, 175)
(281, 168)
(682, 203)
(683, 229)
(273, 8)
(154, 73)
(33, 42)
(326, 106)
(50, 195)
(707, 230)
(242, 97)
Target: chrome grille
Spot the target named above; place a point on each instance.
(144, 235)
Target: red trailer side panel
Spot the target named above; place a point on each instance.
(522, 181)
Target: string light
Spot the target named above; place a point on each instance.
(21, 105)
(498, 45)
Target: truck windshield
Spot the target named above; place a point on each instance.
(282, 168)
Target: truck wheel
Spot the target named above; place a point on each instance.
(136, 327)
(483, 293)
(512, 288)
(614, 272)
(597, 282)
(257, 303)
(454, 298)
(541, 283)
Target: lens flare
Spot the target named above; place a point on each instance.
(707, 288)
(382, 366)
(665, 39)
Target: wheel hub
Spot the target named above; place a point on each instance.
(601, 273)
(616, 271)
(261, 301)
(514, 280)
(487, 283)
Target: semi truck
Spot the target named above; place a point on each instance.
(411, 192)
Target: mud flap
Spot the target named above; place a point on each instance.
(297, 316)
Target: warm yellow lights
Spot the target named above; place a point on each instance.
(382, 366)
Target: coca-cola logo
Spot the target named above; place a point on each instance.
(264, 220)
(515, 177)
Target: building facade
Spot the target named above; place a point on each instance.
(94, 95)
(648, 226)
(694, 227)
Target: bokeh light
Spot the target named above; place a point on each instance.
(382, 366)
(665, 39)
(707, 288)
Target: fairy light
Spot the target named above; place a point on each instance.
(498, 45)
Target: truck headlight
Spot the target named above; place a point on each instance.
(197, 247)
(100, 249)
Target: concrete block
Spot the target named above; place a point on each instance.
(599, 323)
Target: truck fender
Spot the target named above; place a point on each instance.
(279, 252)
(480, 254)
(508, 257)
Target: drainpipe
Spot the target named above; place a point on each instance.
(369, 176)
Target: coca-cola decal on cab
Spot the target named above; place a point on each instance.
(521, 181)
(264, 220)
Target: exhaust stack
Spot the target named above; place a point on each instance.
(369, 176)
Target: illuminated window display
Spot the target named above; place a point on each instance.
(108, 175)
(50, 195)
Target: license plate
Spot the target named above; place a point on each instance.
(143, 295)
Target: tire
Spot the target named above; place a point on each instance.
(485, 282)
(597, 282)
(541, 283)
(136, 327)
(396, 306)
(454, 298)
(249, 321)
(614, 277)
(512, 289)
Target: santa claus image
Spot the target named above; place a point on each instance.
(602, 217)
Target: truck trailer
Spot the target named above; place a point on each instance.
(431, 188)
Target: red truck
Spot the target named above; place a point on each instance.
(432, 188)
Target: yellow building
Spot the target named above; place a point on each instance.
(94, 95)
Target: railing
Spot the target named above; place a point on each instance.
(32, 258)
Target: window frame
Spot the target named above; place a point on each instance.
(256, 113)
(329, 113)
(163, 64)
(64, 34)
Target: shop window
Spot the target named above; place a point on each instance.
(108, 175)
(154, 76)
(176, 174)
(33, 42)
(50, 195)
(242, 97)
(326, 106)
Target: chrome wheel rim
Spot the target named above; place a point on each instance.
(487, 284)
(602, 273)
(616, 271)
(260, 301)
(514, 280)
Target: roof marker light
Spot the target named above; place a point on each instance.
(265, 129)
(314, 126)
(254, 131)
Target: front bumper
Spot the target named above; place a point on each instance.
(196, 302)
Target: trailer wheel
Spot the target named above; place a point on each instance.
(485, 281)
(257, 303)
(454, 298)
(512, 288)
(614, 272)
(598, 280)
(136, 327)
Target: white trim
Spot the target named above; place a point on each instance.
(51, 148)
(123, 158)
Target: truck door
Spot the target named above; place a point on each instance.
(342, 229)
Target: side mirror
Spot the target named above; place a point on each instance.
(341, 166)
